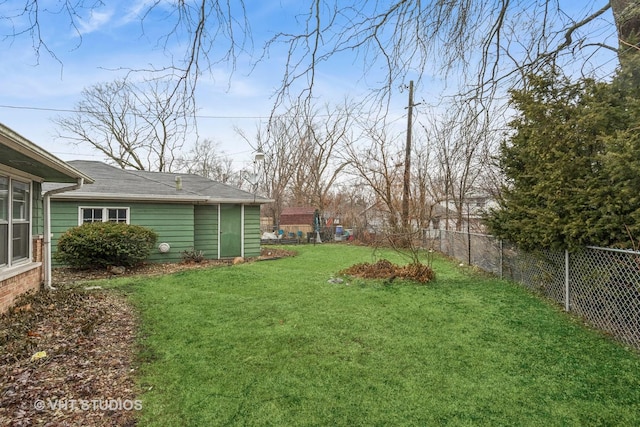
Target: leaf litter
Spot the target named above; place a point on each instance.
(76, 345)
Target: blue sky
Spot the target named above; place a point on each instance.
(37, 89)
(112, 38)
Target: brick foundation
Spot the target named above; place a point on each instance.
(25, 281)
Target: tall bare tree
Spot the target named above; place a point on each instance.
(134, 126)
(321, 134)
(301, 145)
(376, 161)
(206, 159)
(459, 145)
(278, 142)
(409, 38)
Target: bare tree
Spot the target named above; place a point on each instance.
(301, 145)
(206, 159)
(409, 38)
(133, 126)
(278, 142)
(459, 147)
(321, 133)
(375, 161)
(209, 32)
(424, 192)
(403, 37)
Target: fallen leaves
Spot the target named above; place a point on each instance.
(66, 356)
(69, 346)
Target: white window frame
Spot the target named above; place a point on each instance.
(10, 222)
(105, 212)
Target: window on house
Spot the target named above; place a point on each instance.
(4, 220)
(117, 215)
(15, 220)
(104, 215)
(21, 223)
(91, 215)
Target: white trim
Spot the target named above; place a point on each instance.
(219, 231)
(9, 272)
(105, 216)
(11, 262)
(242, 230)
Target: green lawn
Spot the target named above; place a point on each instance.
(272, 343)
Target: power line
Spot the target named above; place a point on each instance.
(199, 116)
(65, 110)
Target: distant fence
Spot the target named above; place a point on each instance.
(601, 285)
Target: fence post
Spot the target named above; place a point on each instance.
(566, 280)
(469, 245)
(501, 259)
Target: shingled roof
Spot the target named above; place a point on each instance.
(112, 183)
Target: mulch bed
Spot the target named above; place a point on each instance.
(67, 357)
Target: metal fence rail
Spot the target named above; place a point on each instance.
(599, 284)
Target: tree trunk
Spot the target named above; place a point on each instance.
(626, 14)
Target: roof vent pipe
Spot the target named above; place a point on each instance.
(178, 183)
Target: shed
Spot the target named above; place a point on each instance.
(189, 212)
(294, 219)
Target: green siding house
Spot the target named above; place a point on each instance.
(25, 251)
(187, 211)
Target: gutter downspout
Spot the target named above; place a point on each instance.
(47, 229)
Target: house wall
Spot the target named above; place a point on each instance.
(27, 280)
(206, 230)
(183, 227)
(29, 276)
(251, 231)
(174, 223)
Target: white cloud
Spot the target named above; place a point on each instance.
(96, 21)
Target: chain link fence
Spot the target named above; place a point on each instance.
(601, 285)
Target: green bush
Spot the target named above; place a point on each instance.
(104, 244)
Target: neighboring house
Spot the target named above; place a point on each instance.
(24, 227)
(187, 211)
(294, 219)
(446, 217)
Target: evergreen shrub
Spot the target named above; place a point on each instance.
(105, 244)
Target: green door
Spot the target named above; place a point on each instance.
(230, 231)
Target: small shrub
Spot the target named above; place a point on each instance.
(104, 244)
(192, 255)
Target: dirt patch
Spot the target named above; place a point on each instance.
(67, 357)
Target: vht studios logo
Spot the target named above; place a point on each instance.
(87, 405)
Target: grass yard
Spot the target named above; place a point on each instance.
(273, 343)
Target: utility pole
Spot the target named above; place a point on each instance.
(407, 164)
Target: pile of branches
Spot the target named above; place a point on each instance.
(384, 269)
